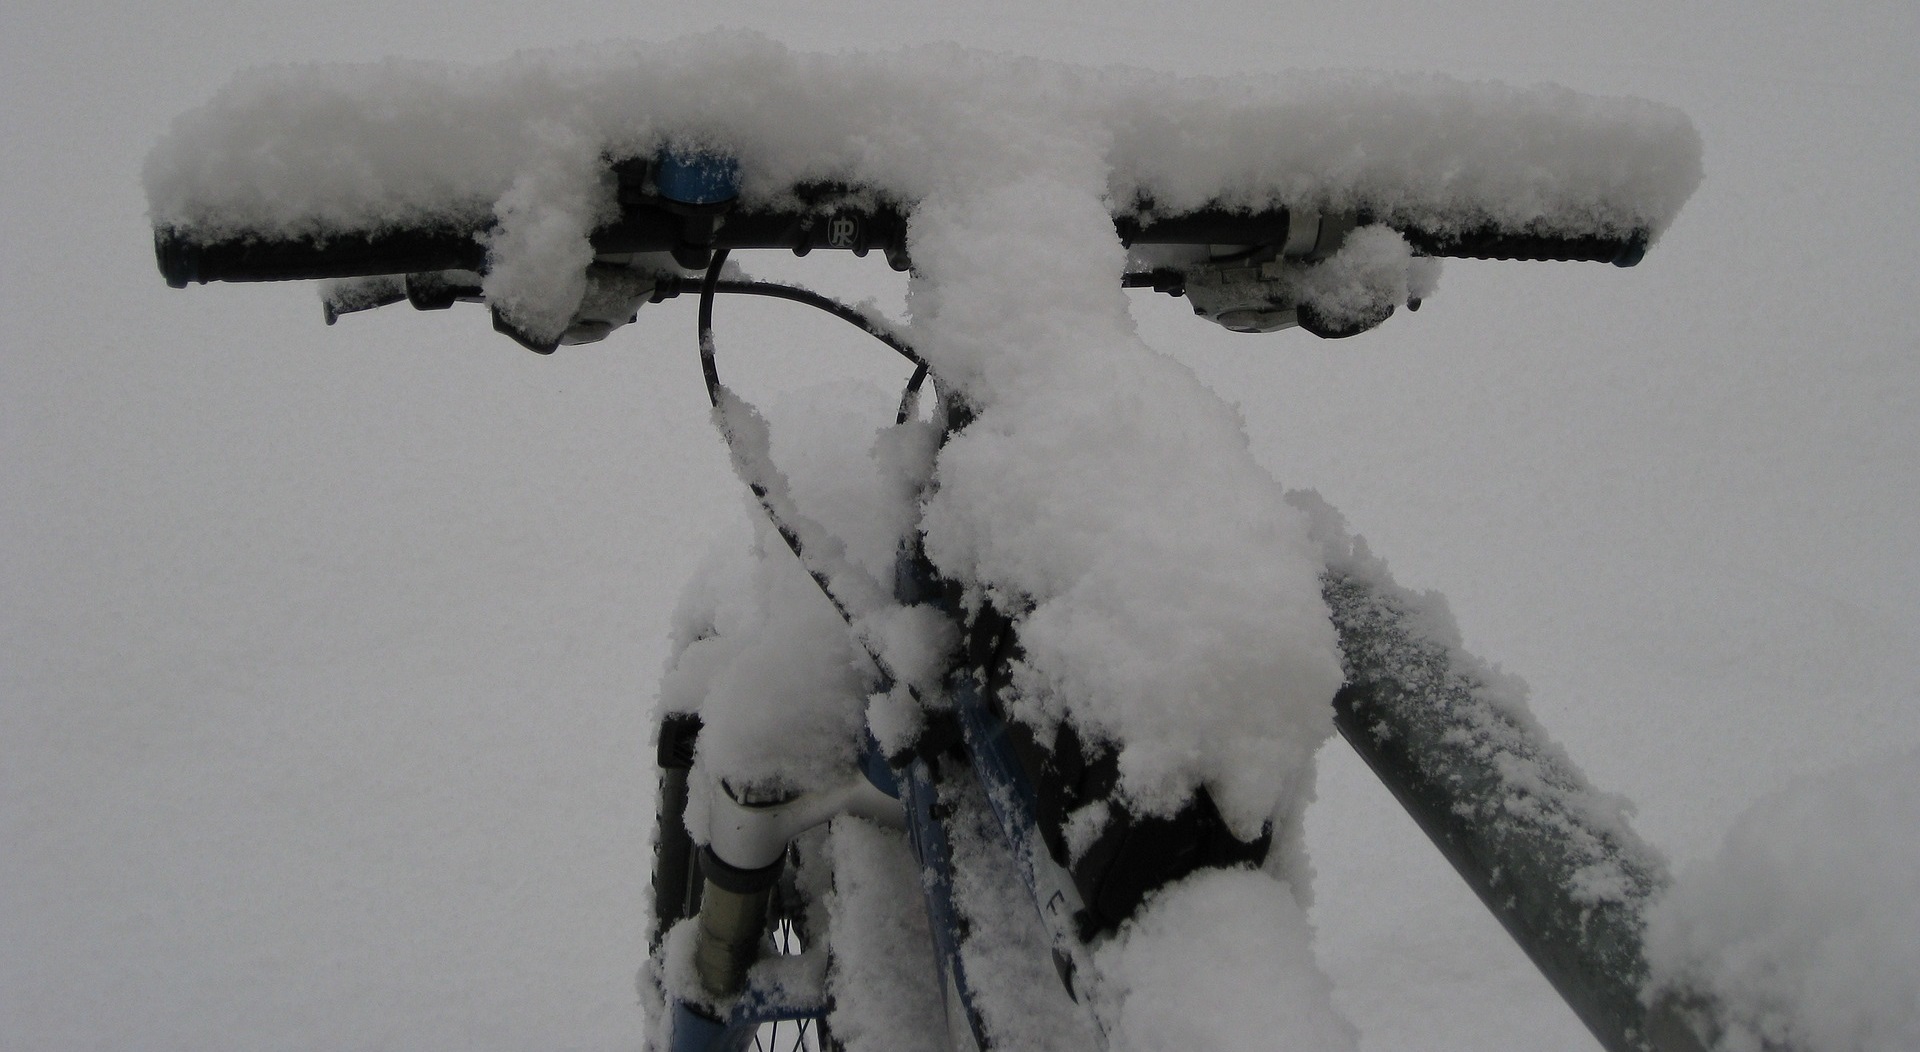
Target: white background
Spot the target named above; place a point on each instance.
(326, 654)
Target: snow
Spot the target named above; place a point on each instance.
(1007, 954)
(886, 993)
(1166, 595)
(539, 251)
(1220, 960)
(328, 650)
(1373, 272)
(1805, 926)
(313, 148)
(1487, 725)
(1167, 598)
(767, 664)
(1104, 497)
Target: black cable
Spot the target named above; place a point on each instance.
(707, 364)
(910, 398)
(762, 495)
(852, 315)
(712, 283)
(759, 487)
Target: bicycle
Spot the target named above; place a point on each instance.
(966, 782)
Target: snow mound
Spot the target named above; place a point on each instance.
(1805, 927)
(886, 994)
(1222, 960)
(1167, 598)
(768, 666)
(311, 149)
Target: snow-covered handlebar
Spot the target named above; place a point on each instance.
(826, 217)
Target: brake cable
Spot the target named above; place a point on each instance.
(853, 592)
(712, 283)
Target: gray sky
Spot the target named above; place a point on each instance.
(325, 654)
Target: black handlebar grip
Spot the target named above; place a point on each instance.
(184, 261)
(179, 263)
(1489, 242)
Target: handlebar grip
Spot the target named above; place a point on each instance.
(1490, 242)
(184, 261)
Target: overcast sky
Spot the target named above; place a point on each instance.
(325, 654)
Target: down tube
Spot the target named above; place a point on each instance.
(1569, 881)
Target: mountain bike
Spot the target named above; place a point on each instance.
(940, 867)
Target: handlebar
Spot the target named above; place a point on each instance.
(1238, 267)
(827, 218)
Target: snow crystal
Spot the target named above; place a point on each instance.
(1804, 930)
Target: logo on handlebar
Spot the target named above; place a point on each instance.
(843, 231)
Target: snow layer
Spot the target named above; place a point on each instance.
(759, 651)
(767, 664)
(316, 148)
(1374, 272)
(1222, 960)
(1805, 927)
(1167, 597)
(1481, 725)
(886, 993)
(1006, 953)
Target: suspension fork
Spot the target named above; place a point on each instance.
(746, 850)
(740, 867)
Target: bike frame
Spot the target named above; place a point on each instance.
(1420, 734)
(1407, 706)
